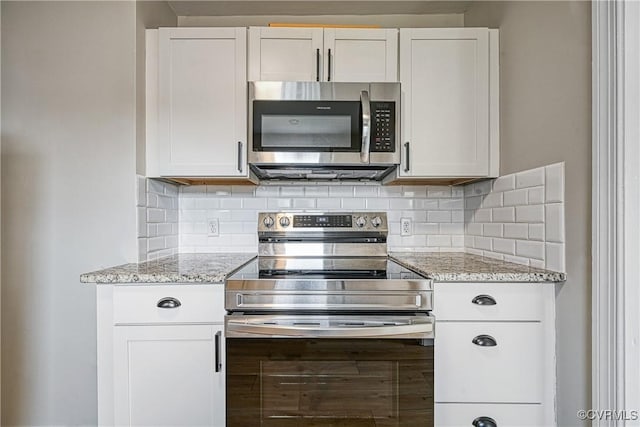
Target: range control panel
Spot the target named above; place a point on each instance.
(383, 127)
(312, 222)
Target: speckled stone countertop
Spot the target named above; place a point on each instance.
(181, 268)
(462, 267)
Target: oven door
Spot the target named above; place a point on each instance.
(329, 371)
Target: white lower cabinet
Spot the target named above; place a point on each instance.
(161, 353)
(494, 354)
(169, 375)
(482, 414)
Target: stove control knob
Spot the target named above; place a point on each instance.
(268, 221)
(376, 221)
(285, 221)
(361, 221)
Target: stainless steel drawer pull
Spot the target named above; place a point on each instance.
(484, 300)
(484, 422)
(169, 302)
(218, 339)
(485, 341)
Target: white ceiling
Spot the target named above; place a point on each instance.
(314, 7)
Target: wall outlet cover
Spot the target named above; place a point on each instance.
(405, 227)
(213, 227)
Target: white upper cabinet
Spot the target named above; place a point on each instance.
(449, 99)
(201, 103)
(314, 54)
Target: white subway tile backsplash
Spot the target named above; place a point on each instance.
(473, 202)
(439, 240)
(474, 229)
(536, 263)
(516, 259)
(503, 214)
(352, 203)
(414, 191)
(377, 204)
(277, 204)
(492, 200)
(333, 203)
(341, 191)
(504, 246)
(529, 214)
(219, 190)
(438, 192)
(457, 241)
(424, 204)
(536, 232)
(554, 257)
(390, 191)
(253, 203)
(422, 228)
(155, 215)
(492, 230)
(530, 249)
(291, 191)
(231, 203)
(316, 191)
(304, 203)
(450, 204)
(403, 203)
(457, 216)
(482, 215)
(267, 191)
(554, 188)
(516, 197)
(243, 190)
(530, 178)
(439, 216)
(154, 186)
(554, 217)
(451, 228)
(504, 183)
(484, 243)
(516, 231)
(365, 191)
(536, 195)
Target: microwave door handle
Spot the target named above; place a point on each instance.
(366, 126)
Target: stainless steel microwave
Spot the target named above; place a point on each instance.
(315, 130)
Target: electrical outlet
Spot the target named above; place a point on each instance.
(405, 226)
(213, 227)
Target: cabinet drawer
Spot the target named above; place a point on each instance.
(197, 304)
(473, 301)
(463, 414)
(509, 372)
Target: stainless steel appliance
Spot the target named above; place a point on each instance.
(324, 130)
(324, 330)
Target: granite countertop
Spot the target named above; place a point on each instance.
(462, 267)
(181, 268)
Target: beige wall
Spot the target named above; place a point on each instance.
(68, 190)
(149, 14)
(545, 117)
(392, 21)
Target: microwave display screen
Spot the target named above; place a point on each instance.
(306, 131)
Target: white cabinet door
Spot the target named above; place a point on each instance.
(202, 114)
(361, 55)
(167, 376)
(285, 54)
(445, 102)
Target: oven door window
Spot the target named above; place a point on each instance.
(329, 382)
(311, 126)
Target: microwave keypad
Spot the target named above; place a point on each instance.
(384, 124)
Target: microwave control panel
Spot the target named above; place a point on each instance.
(383, 127)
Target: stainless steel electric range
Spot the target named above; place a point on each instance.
(323, 329)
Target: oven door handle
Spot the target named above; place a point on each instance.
(366, 126)
(240, 328)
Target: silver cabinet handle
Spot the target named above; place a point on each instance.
(484, 300)
(317, 65)
(240, 156)
(406, 164)
(425, 330)
(218, 363)
(329, 65)
(366, 126)
(484, 422)
(485, 341)
(169, 302)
